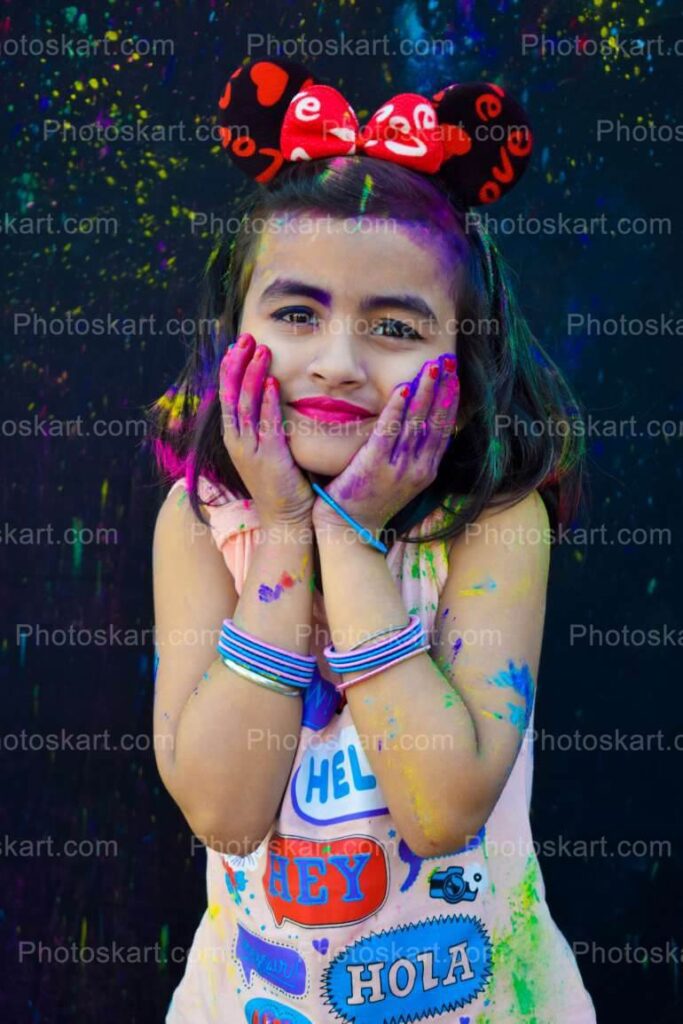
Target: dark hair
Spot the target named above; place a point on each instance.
(508, 382)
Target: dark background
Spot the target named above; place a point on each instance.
(153, 890)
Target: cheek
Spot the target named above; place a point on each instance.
(406, 369)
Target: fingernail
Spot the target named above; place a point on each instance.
(449, 364)
(405, 391)
(433, 372)
(244, 340)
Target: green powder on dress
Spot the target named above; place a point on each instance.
(518, 952)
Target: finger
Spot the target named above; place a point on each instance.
(444, 416)
(230, 376)
(251, 394)
(271, 431)
(415, 426)
(389, 423)
(444, 409)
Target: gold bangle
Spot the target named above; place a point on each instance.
(267, 682)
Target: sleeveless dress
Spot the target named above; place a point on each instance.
(334, 918)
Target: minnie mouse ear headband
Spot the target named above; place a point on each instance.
(474, 137)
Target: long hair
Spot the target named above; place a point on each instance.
(522, 423)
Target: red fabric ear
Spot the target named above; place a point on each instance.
(252, 108)
(489, 139)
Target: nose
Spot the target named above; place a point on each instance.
(338, 362)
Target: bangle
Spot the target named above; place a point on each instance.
(380, 632)
(340, 687)
(382, 653)
(276, 663)
(363, 532)
(261, 680)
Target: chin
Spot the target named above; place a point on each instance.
(326, 459)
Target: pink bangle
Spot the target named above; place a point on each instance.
(340, 687)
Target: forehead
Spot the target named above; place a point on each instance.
(355, 256)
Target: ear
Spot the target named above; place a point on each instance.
(487, 140)
(252, 109)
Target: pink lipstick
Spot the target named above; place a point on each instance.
(330, 410)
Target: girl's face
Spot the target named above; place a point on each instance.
(347, 315)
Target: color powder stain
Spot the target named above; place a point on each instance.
(518, 953)
(478, 589)
(492, 714)
(163, 945)
(429, 558)
(77, 554)
(286, 582)
(519, 679)
(424, 563)
(367, 191)
(423, 813)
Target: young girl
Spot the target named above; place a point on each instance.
(350, 576)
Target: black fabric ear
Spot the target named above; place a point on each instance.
(252, 109)
(487, 141)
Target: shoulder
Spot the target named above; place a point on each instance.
(180, 539)
(527, 510)
(509, 523)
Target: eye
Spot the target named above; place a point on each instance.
(287, 311)
(403, 329)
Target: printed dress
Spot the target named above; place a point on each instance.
(334, 918)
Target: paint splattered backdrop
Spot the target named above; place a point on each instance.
(103, 229)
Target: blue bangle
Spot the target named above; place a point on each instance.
(362, 531)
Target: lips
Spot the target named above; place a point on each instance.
(329, 410)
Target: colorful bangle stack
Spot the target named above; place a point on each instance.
(273, 667)
(410, 641)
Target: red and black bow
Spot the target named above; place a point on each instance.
(474, 136)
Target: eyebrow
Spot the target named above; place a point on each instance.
(411, 303)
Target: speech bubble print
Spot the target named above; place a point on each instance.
(282, 967)
(315, 884)
(410, 972)
(334, 782)
(268, 1011)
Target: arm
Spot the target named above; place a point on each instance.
(222, 743)
(442, 732)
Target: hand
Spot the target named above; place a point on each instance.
(402, 455)
(253, 434)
